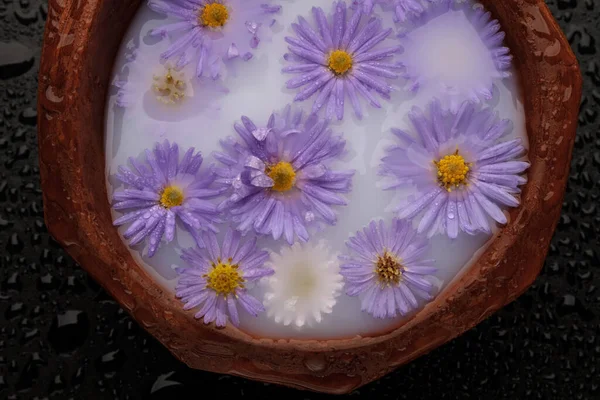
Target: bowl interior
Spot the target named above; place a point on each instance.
(206, 116)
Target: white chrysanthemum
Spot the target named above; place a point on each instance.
(306, 283)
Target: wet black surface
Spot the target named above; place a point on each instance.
(62, 336)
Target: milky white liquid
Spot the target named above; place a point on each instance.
(256, 88)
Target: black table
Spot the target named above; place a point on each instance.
(62, 336)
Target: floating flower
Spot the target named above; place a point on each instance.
(306, 284)
(403, 9)
(281, 176)
(462, 172)
(165, 92)
(366, 5)
(164, 190)
(388, 269)
(218, 279)
(213, 30)
(343, 57)
(167, 84)
(457, 51)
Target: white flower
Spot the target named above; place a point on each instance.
(163, 91)
(147, 75)
(306, 283)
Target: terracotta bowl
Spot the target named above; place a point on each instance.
(81, 41)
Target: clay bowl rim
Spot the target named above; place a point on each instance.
(75, 74)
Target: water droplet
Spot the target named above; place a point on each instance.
(14, 310)
(47, 282)
(28, 116)
(163, 381)
(316, 363)
(28, 376)
(58, 384)
(23, 152)
(309, 216)
(15, 59)
(37, 311)
(26, 17)
(53, 97)
(44, 10)
(13, 282)
(68, 331)
(110, 362)
(75, 285)
(19, 135)
(15, 244)
(78, 377)
(566, 4)
(30, 334)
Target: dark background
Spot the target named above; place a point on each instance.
(62, 336)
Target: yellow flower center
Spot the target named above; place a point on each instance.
(214, 15)
(388, 269)
(340, 62)
(302, 281)
(170, 87)
(224, 278)
(172, 196)
(283, 176)
(452, 171)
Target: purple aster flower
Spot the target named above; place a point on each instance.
(457, 50)
(403, 9)
(164, 190)
(281, 176)
(388, 269)
(366, 5)
(213, 30)
(219, 277)
(342, 57)
(463, 173)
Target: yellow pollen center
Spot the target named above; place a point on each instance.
(340, 62)
(214, 15)
(283, 176)
(172, 196)
(388, 269)
(224, 278)
(452, 171)
(170, 87)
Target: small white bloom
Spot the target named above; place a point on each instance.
(306, 283)
(147, 76)
(164, 91)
